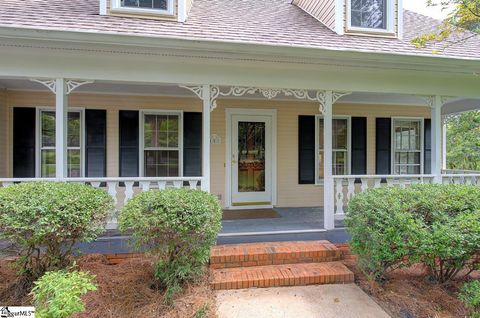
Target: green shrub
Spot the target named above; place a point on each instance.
(57, 294)
(178, 226)
(470, 296)
(437, 225)
(45, 219)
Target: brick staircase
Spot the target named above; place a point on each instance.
(250, 265)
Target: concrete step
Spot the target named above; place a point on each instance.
(281, 275)
(262, 254)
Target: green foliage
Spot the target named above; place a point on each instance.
(463, 141)
(45, 219)
(464, 15)
(178, 226)
(437, 225)
(57, 294)
(470, 296)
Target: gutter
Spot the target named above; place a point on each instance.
(469, 65)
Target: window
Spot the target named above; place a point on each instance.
(47, 144)
(371, 15)
(162, 144)
(340, 146)
(407, 146)
(144, 6)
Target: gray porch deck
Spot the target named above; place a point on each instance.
(294, 224)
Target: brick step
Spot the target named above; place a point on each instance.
(281, 275)
(262, 254)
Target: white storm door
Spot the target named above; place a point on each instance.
(251, 160)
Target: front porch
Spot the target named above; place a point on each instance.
(324, 146)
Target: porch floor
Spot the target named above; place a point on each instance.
(291, 220)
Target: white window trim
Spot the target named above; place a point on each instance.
(422, 137)
(117, 7)
(142, 137)
(38, 136)
(319, 181)
(390, 20)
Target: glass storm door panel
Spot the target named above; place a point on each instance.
(251, 160)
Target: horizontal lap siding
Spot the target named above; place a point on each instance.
(4, 124)
(289, 192)
(322, 10)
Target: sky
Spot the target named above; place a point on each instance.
(421, 7)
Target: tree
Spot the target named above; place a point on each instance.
(463, 141)
(465, 16)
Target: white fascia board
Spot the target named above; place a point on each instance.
(103, 7)
(240, 47)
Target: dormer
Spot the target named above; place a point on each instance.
(172, 10)
(357, 17)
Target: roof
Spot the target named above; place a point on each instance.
(268, 22)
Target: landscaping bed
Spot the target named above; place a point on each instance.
(124, 290)
(408, 293)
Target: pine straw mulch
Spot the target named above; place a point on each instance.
(124, 290)
(407, 293)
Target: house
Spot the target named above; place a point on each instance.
(264, 103)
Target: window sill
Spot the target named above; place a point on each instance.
(142, 12)
(371, 32)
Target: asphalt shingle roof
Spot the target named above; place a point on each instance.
(273, 22)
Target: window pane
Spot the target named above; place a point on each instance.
(407, 146)
(48, 129)
(339, 145)
(340, 133)
(149, 131)
(74, 132)
(161, 131)
(161, 163)
(74, 163)
(47, 163)
(368, 14)
(251, 157)
(148, 4)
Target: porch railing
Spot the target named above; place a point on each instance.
(123, 189)
(347, 186)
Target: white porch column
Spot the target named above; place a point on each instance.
(61, 113)
(444, 143)
(437, 138)
(328, 191)
(207, 101)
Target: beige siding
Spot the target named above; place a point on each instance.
(289, 192)
(322, 10)
(3, 134)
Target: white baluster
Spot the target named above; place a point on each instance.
(339, 195)
(128, 191)
(402, 182)
(177, 184)
(469, 180)
(193, 184)
(351, 188)
(145, 185)
(390, 182)
(112, 190)
(162, 185)
(364, 186)
(95, 184)
(377, 182)
(7, 184)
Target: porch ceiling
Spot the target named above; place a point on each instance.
(134, 88)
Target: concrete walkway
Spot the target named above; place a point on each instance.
(324, 301)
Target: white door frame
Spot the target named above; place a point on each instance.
(229, 112)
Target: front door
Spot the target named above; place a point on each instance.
(251, 160)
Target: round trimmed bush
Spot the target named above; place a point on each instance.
(437, 225)
(178, 226)
(45, 220)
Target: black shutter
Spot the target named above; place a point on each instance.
(95, 143)
(306, 149)
(359, 145)
(427, 158)
(24, 142)
(129, 143)
(192, 144)
(383, 145)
